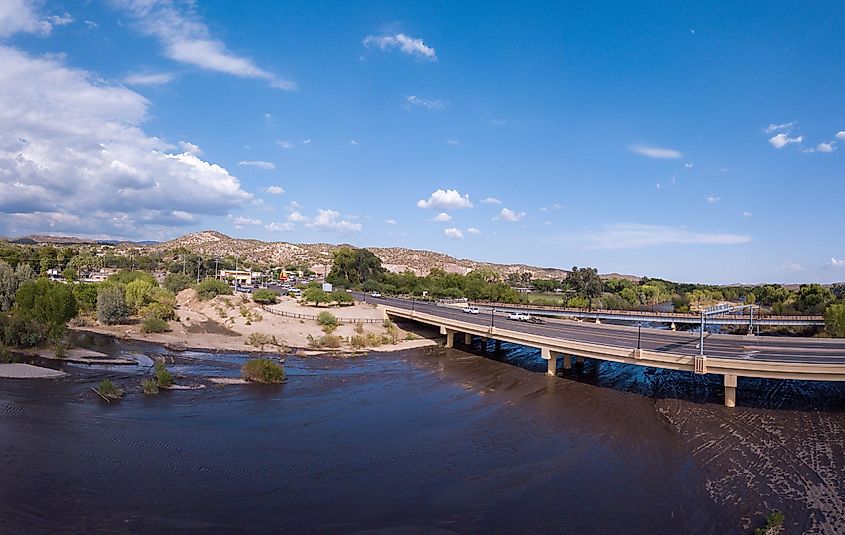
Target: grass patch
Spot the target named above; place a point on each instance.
(164, 379)
(153, 324)
(773, 526)
(149, 387)
(109, 390)
(263, 371)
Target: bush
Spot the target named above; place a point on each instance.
(149, 387)
(153, 324)
(139, 293)
(111, 305)
(49, 303)
(327, 321)
(358, 341)
(164, 379)
(264, 297)
(125, 277)
(86, 296)
(834, 320)
(16, 331)
(158, 311)
(176, 282)
(359, 327)
(774, 524)
(260, 340)
(330, 340)
(342, 298)
(263, 371)
(108, 390)
(61, 351)
(211, 288)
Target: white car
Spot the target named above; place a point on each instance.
(375, 294)
(519, 316)
(470, 310)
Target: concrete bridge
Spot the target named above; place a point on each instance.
(655, 317)
(731, 356)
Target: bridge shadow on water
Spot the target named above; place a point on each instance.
(658, 383)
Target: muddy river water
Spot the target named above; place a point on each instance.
(423, 441)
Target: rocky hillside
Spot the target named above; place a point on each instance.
(397, 259)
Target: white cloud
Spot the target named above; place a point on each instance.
(449, 199)
(781, 140)
(259, 164)
(453, 233)
(453, 142)
(747, 214)
(473, 230)
(840, 135)
(186, 38)
(712, 199)
(406, 44)
(329, 221)
(279, 227)
(442, 217)
(353, 142)
(241, 221)
(20, 16)
(190, 148)
(293, 206)
(783, 127)
(296, 217)
(633, 235)
(836, 263)
(509, 215)
(306, 141)
(285, 144)
(419, 102)
(830, 146)
(491, 200)
(73, 155)
(688, 165)
(274, 190)
(390, 221)
(150, 78)
(655, 152)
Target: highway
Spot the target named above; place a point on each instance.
(723, 346)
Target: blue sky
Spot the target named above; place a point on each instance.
(697, 143)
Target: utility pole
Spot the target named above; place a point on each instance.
(701, 336)
(198, 271)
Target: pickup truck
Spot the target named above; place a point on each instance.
(519, 316)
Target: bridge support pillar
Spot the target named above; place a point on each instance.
(467, 339)
(551, 358)
(673, 326)
(450, 339)
(598, 321)
(567, 362)
(730, 390)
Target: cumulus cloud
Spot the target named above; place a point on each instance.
(509, 215)
(836, 263)
(453, 233)
(830, 146)
(491, 200)
(449, 199)
(655, 152)
(428, 103)
(186, 38)
(278, 227)
(390, 221)
(840, 135)
(20, 16)
(747, 214)
(442, 217)
(633, 236)
(473, 230)
(712, 199)
(259, 164)
(274, 190)
(190, 148)
(330, 221)
(404, 43)
(241, 221)
(296, 217)
(781, 140)
(74, 157)
(150, 78)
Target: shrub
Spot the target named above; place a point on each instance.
(263, 371)
(164, 379)
(108, 390)
(327, 321)
(158, 311)
(86, 296)
(330, 340)
(149, 387)
(342, 298)
(834, 320)
(48, 303)
(61, 351)
(139, 293)
(260, 340)
(374, 340)
(774, 524)
(111, 305)
(16, 331)
(411, 336)
(153, 324)
(211, 288)
(125, 277)
(6, 356)
(264, 297)
(358, 341)
(176, 282)
(359, 327)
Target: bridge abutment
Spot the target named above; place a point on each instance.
(551, 358)
(467, 339)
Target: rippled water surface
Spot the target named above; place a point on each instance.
(423, 441)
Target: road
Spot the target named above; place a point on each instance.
(758, 348)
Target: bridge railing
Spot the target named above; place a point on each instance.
(643, 313)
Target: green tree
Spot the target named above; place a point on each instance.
(211, 288)
(341, 298)
(139, 293)
(176, 282)
(813, 298)
(834, 320)
(8, 286)
(585, 282)
(86, 296)
(111, 305)
(125, 277)
(316, 296)
(51, 304)
(264, 296)
(69, 274)
(352, 267)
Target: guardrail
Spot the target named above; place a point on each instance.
(667, 315)
(314, 318)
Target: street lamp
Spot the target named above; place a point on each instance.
(492, 316)
(639, 330)
(412, 304)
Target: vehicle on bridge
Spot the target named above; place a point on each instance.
(470, 310)
(519, 316)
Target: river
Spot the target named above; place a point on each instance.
(423, 441)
